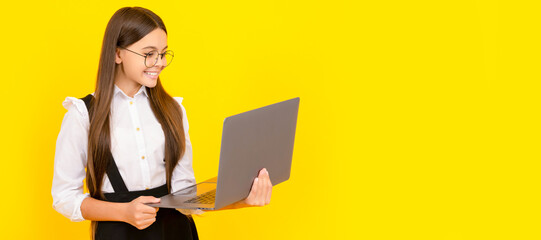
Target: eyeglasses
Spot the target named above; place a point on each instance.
(151, 58)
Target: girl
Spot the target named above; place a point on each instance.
(132, 138)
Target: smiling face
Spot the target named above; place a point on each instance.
(131, 72)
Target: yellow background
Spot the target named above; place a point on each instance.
(418, 119)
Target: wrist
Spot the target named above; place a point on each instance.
(123, 212)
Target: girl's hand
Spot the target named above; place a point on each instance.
(260, 194)
(140, 215)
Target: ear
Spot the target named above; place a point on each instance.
(118, 60)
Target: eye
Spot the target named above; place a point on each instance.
(168, 53)
(151, 54)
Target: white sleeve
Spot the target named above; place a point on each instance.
(70, 160)
(183, 175)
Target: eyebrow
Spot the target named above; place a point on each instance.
(155, 47)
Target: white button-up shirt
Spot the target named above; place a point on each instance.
(137, 145)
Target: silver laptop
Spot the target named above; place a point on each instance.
(260, 138)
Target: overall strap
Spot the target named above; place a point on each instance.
(112, 170)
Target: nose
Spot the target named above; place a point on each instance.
(161, 61)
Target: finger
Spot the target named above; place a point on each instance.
(267, 186)
(266, 175)
(149, 213)
(146, 223)
(248, 200)
(146, 216)
(261, 193)
(256, 193)
(261, 172)
(148, 209)
(267, 201)
(148, 199)
(269, 191)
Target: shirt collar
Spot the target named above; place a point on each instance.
(142, 89)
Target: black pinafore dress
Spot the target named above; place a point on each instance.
(170, 224)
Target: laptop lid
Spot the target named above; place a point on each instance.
(260, 138)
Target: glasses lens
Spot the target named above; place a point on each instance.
(168, 57)
(152, 58)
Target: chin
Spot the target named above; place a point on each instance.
(151, 84)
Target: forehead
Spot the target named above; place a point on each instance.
(156, 39)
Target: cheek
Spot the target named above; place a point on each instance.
(134, 68)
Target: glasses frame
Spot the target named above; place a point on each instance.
(160, 55)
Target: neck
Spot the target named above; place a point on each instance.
(128, 87)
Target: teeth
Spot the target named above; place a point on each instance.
(152, 73)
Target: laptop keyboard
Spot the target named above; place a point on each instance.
(205, 198)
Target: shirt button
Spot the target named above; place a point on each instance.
(146, 188)
(131, 102)
(137, 129)
(143, 157)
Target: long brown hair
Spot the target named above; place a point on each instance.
(127, 26)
